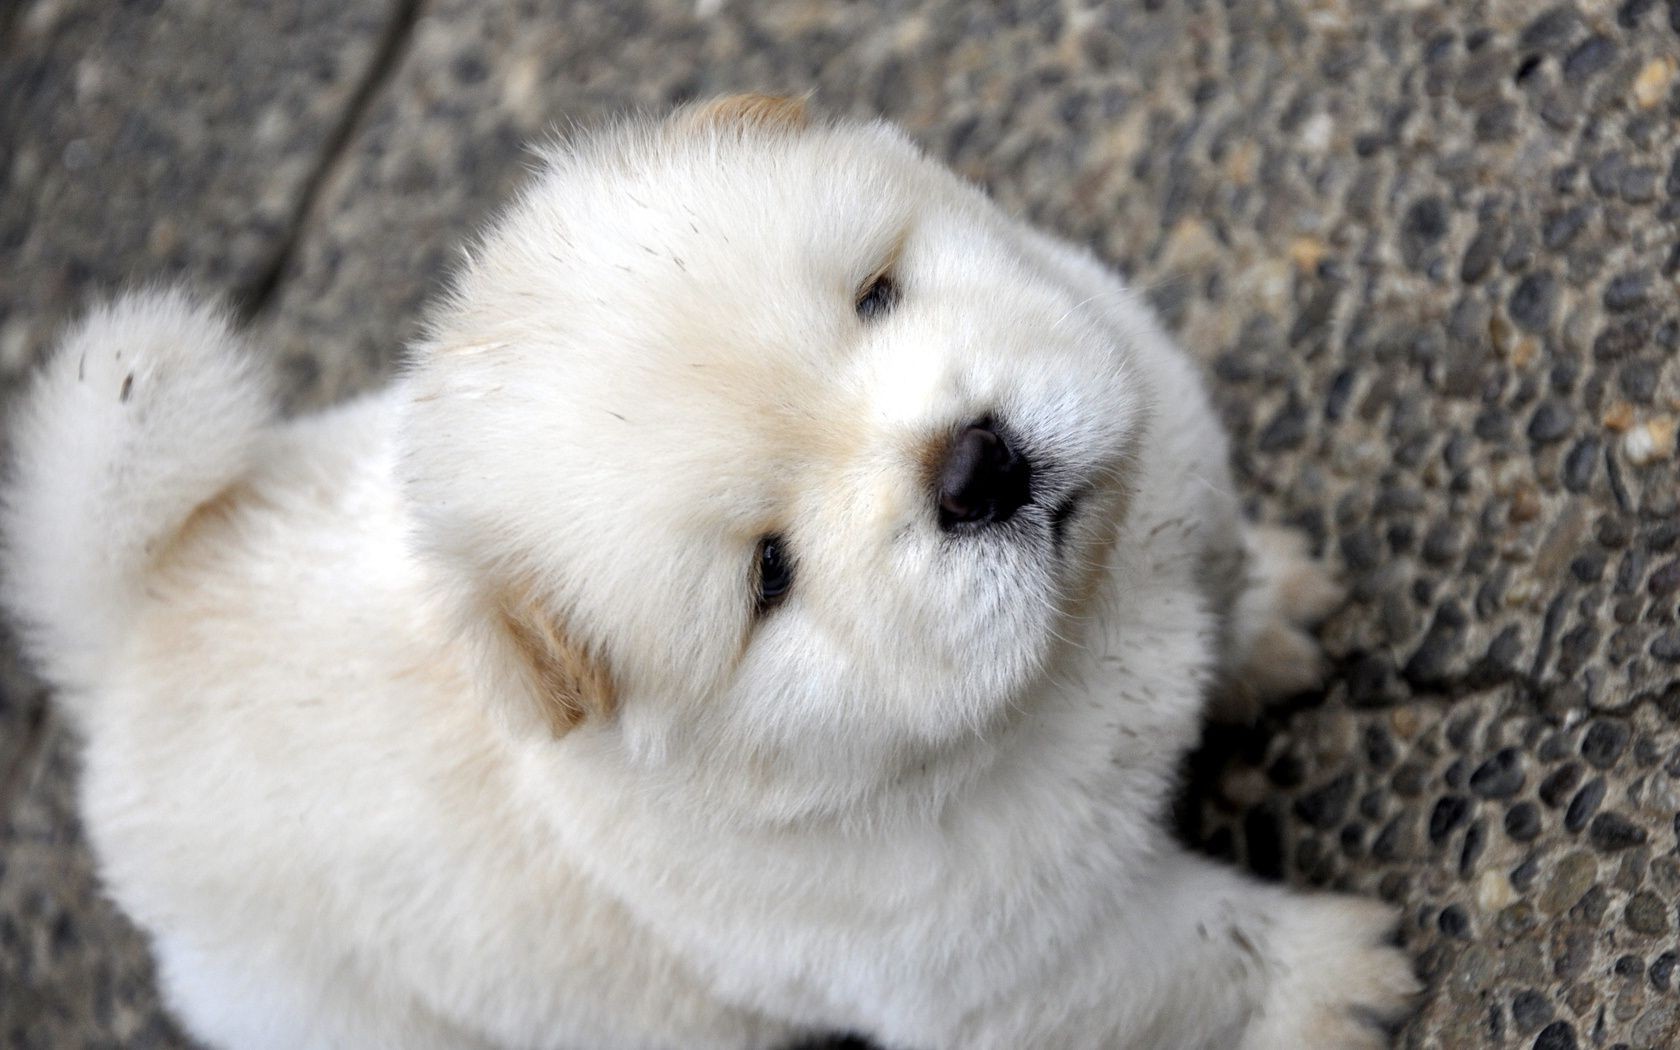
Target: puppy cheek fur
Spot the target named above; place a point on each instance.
(564, 680)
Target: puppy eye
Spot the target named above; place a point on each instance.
(774, 572)
(876, 297)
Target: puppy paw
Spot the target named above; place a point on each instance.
(1338, 982)
(1288, 593)
(1304, 591)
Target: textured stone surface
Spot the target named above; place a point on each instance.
(1465, 388)
(160, 141)
(1426, 252)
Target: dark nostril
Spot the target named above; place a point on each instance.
(983, 479)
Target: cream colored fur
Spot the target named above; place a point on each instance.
(444, 719)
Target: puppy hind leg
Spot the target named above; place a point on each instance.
(243, 1001)
(1271, 651)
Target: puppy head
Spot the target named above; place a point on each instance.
(769, 437)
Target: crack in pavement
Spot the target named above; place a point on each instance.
(255, 297)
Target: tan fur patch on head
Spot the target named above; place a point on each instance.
(571, 683)
(752, 110)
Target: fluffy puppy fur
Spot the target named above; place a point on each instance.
(460, 715)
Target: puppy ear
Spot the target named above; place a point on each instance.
(752, 111)
(570, 683)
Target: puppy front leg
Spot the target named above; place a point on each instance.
(1202, 957)
(1240, 963)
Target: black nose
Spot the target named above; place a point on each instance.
(983, 479)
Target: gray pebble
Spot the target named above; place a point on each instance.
(1559, 783)
(1558, 1035)
(1530, 1010)
(1501, 776)
(1647, 913)
(1604, 742)
(1584, 805)
(1551, 421)
(1612, 831)
(1449, 813)
(1627, 291)
(1533, 301)
(1522, 822)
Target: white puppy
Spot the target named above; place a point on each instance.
(776, 600)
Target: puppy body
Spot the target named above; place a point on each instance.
(449, 718)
